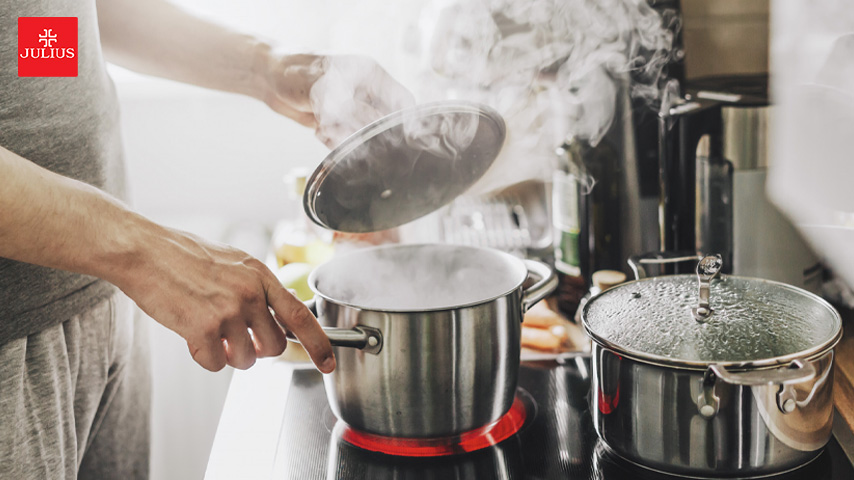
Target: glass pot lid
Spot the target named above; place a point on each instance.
(743, 320)
(404, 166)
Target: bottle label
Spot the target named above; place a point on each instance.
(565, 220)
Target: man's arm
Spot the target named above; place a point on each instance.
(158, 38)
(210, 294)
(335, 95)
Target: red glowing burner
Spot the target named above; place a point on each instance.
(483, 437)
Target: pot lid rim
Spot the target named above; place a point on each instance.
(670, 361)
(734, 365)
(383, 124)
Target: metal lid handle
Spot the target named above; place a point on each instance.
(707, 269)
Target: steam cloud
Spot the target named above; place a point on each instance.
(564, 59)
(553, 68)
(417, 277)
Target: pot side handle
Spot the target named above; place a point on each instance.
(543, 287)
(367, 339)
(638, 262)
(797, 372)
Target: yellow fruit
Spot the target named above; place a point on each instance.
(294, 276)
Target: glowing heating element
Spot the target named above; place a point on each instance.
(483, 437)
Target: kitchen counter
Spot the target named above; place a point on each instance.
(249, 428)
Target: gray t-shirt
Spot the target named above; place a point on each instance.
(69, 125)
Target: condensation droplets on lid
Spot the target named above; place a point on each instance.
(752, 320)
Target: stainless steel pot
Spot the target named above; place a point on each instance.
(672, 391)
(436, 363)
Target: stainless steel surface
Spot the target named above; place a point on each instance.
(797, 372)
(699, 418)
(546, 283)
(404, 166)
(716, 197)
(745, 136)
(651, 415)
(638, 263)
(369, 340)
(440, 371)
(707, 269)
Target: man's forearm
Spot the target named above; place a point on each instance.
(158, 38)
(210, 294)
(57, 222)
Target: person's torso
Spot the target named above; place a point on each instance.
(69, 125)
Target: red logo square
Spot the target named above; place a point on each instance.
(47, 46)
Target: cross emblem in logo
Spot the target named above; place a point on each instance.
(47, 37)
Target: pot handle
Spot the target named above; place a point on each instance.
(637, 262)
(797, 372)
(544, 286)
(367, 339)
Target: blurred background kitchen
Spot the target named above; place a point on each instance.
(214, 163)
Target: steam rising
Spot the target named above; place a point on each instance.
(554, 69)
(418, 277)
(561, 62)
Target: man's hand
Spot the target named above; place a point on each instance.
(335, 95)
(219, 300)
(212, 295)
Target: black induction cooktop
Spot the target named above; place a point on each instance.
(556, 442)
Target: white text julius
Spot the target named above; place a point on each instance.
(48, 53)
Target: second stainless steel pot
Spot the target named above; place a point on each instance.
(740, 385)
(445, 366)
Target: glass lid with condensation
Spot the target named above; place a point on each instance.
(747, 320)
(404, 166)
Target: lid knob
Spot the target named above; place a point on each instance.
(707, 269)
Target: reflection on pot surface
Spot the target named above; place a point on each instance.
(609, 466)
(650, 415)
(500, 462)
(731, 377)
(434, 369)
(557, 441)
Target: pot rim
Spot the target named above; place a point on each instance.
(737, 365)
(517, 263)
